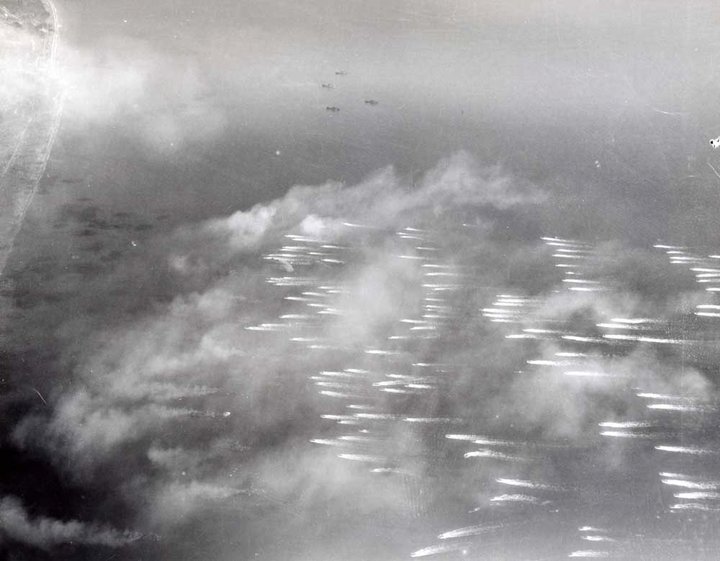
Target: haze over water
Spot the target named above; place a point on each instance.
(470, 314)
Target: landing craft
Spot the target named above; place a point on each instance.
(327, 86)
(340, 73)
(371, 102)
(332, 108)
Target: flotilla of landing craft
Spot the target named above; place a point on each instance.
(394, 387)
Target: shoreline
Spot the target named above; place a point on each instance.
(24, 171)
(50, 8)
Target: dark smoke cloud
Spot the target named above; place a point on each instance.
(43, 532)
(191, 363)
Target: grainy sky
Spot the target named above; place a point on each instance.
(617, 98)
